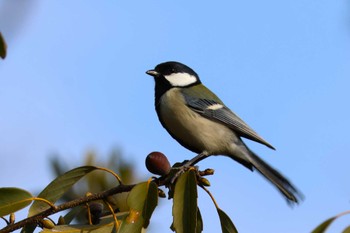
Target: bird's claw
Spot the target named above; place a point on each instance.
(177, 171)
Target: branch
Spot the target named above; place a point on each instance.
(68, 205)
(165, 179)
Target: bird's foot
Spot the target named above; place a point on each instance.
(177, 170)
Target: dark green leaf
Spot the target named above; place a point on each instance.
(13, 199)
(199, 227)
(346, 230)
(68, 218)
(140, 207)
(323, 226)
(101, 228)
(185, 203)
(29, 228)
(3, 47)
(119, 201)
(58, 187)
(227, 225)
(150, 203)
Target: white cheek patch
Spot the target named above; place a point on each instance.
(215, 106)
(180, 79)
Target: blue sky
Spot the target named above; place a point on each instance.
(74, 80)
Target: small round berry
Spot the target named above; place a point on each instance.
(157, 163)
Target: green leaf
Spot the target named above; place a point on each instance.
(29, 228)
(3, 47)
(100, 228)
(185, 203)
(142, 200)
(119, 201)
(346, 230)
(150, 203)
(323, 226)
(227, 225)
(13, 199)
(68, 218)
(58, 187)
(199, 228)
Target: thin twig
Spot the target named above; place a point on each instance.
(80, 201)
(68, 205)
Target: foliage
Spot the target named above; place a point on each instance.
(119, 208)
(325, 224)
(96, 181)
(13, 199)
(3, 47)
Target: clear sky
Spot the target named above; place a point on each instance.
(74, 80)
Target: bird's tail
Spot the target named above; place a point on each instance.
(283, 185)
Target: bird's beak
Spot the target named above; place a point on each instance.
(152, 73)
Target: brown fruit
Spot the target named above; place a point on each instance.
(96, 212)
(157, 163)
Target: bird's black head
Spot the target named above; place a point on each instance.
(174, 74)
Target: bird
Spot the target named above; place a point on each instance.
(198, 120)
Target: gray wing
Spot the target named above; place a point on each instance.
(216, 110)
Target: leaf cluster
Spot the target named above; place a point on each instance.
(105, 211)
(3, 47)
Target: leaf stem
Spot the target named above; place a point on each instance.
(211, 196)
(44, 200)
(111, 172)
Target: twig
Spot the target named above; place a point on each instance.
(68, 205)
(163, 180)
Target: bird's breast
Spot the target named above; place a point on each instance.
(190, 129)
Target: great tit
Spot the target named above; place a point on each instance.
(196, 118)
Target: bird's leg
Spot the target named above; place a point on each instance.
(196, 159)
(188, 164)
